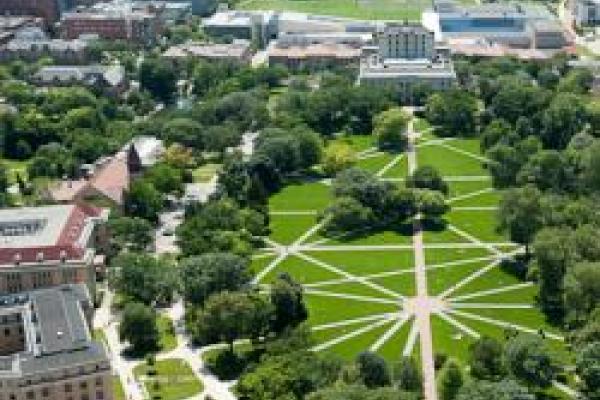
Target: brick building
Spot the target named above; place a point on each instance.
(49, 246)
(135, 26)
(49, 10)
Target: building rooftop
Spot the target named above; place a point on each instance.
(148, 148)
(376, 68)
(55, 329)
(337, 50)
(113, 74)
(33, 234)
(237, 49)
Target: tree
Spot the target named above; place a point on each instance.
(359, 392)
(204, 275)
(520, 214)
(590, 163)
(452, 112)
(561, 120)
(138, 326)
(126, 233)
(505, 163)
(589, 333)
(485, 358)
(498, 130)
(427, 177)
(582, 291)
(287, 300)
(528, 360)
(165, 178)
(288, 376)
(554, 254)
(347, 215)
(143, 201)
(486, 390)
(337, 157)
(450, 380)
(158, 77)
(577, 81)
(143, 278)
(547, 169)
(229, 316)
(372, 370)
(431, 204)
(389, 127)
(178, 156)
(407, 375)
(588, 369)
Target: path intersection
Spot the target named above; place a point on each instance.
(413, 292)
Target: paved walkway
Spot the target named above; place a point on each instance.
(422, 302)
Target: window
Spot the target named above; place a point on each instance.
(30, 395)
(83, 385)
(99, 381)
(85, 396)
(99, 395)
(45, 392)
(68, 388)
(6, 332)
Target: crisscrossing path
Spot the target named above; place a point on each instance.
(407, 291)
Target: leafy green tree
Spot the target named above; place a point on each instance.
(577, 81)
(204, 275)
(288, 376)
(143, 201)
(359, 392)
(165, 178)
(372, 369)
(287, 299)
(347, 215)
(588, 333)
(229, 316)
(485, 359)
(138, 327)
(453, 112)
(516, 98)
(431, 204)
(547, 169)
(338, 157)
(561, 120)
(554, 252)
(590, 168)
(497, 131)
(389, 127)
(126, 233)
(143, 278)
(588, 369)
(505, 163)
(407, 375)
(450, 380)
(529, 360)
(582, 291)
(520, 214)
(158, 77)
(427, 177)
(486, 390)
(184, 131)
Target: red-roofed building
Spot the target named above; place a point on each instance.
(50, 246)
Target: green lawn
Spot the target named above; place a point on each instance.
(448, 162)
(302, 271)
(480, 224)
(403, 284)
(359, 143)
(375, 163)
(399, 170)
(15, 167)
(168, 340)
(286, 229)
(402, 236)
(449, 340)
(324, 310)
(205, 172)
(301, 196)
(173, 379)
(362, 263)
(461, 188)
(351, 348)
(361, 9)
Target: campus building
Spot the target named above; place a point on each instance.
(239, 51)
(49, 246)
(585, 12)
(509, 24)
(117, 23)
(405, 57)
(49, 10)
(46, 350)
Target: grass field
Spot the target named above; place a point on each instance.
(170, 379)
(357, 286)
(360, 9)
(168, 341)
